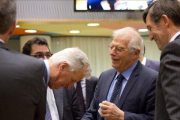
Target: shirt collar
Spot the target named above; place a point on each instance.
(174, 37)
(127, 73)
(1, 41)
(144, 61)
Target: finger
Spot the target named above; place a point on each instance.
(106, 103)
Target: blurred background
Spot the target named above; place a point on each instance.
(55, 20)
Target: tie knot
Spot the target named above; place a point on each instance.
(120, 77)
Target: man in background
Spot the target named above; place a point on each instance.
(22, 92)
(85, 91)
(149, 63)
(62, 102)
(162, 20)
(126, 92)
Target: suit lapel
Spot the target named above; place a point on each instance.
(88, 93)
(107, 85)
(133, 78)
(58, 95)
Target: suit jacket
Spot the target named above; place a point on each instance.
(153, 64)
(168, 83)
(22, 92)
(137, 99)
(67, 103)
(90, 89)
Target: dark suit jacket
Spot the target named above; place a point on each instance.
(153, 64)
(67, 103)
(90, 89)
(168, 83)
(22, 92)
(137, 99)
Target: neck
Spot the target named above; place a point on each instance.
(4, 38)
(174, 29)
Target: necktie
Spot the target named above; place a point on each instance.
(117, 89)
(48, 114)
(80, 98)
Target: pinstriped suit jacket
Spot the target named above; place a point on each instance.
(168, 83)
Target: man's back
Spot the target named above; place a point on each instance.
(22, 92)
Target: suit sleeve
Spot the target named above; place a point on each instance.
(149, 105)
(170, 79)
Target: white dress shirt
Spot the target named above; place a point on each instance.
(50, 97)
(144, 61)
(172, 39)
(1, 41)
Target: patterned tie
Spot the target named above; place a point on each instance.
(48, 114)
(117, 89)
(80, 98)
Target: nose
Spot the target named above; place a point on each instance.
(45, 57)
(113, 51)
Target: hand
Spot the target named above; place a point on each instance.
(110, 111)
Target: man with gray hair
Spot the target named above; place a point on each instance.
(67, 67)
(126, 92)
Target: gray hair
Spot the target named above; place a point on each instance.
(7, 15)
(76, 59)
(136, 41)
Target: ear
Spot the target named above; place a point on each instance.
(165, 20)
(136, 54)
(12, 28)
(63, 66)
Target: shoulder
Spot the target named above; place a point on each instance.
(93, 79)
(146, 71)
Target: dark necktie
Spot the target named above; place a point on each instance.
(117, 89)
(80, 98)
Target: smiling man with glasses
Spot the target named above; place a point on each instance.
(126, 92)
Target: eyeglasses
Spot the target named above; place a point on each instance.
(117, 49)
(41, 55)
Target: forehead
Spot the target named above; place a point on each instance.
(39, 48)
(121, 40)
(149, 22)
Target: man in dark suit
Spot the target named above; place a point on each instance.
(66, 106)
(126, 92)
(150, 63)
(87, 89)
(162, 20)
(22, 92)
